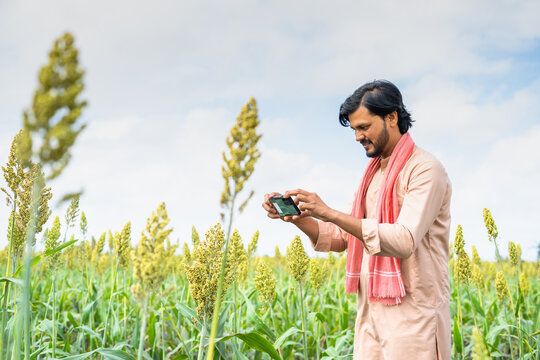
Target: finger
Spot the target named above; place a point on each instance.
(269, 208)
(272, 216)
(303, 198)
(305, 206)
(270, 195)
(295, 192)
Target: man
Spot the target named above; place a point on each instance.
(396, 235)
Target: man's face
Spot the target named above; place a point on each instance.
(370, 130)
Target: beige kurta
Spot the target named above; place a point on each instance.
(419, 328)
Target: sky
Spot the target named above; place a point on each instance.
(165, 80)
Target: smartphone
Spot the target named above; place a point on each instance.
(284, 206)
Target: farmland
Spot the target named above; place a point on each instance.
(89, 302)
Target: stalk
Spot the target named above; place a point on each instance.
(176, 329)
(459, 314)
(217, 307)
(235, 316)
(54, 314)
(125, 309)
(303, 321)
(104, 339)
(46, 311)
(143, 329)
(200, 356)
(472, 307)
(162, 338)
(319, 330)
(274, 324)
(6, 286)
(30, 234)
(519, 311)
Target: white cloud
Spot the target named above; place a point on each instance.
(506, 182)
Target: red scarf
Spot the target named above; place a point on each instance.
(385, 284)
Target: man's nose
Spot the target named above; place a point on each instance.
(359, 135)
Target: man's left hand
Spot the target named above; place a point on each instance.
(311, 204)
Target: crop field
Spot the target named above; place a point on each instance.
(68, 294)
(92, 299)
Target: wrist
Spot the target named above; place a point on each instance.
(332, 215)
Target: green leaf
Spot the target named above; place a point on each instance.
(255, 319)
(479, 309)
(89, 331)
(79, 356)
(106, 353)
(36, 259)
(312, 315)
(519, 303)
(494, 332)
(12, 280)
(115, 354)
(72, 319)
(255, 341)
(189, 314)
(281, 339)
(457, 337)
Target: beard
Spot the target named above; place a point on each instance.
(377, 145)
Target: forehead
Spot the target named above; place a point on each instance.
(362, 116)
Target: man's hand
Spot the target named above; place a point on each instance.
(273, 214)
(310, 204)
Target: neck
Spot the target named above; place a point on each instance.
(391, 144)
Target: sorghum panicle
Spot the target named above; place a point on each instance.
(51, 241)
(490, 225)
(252, 247)
(148, 270)
(475, 258)
(477, 277)
(501, 286)
(464, 267)
(203, 274)
(123, 245)
(239, 255)
(265, 282)
(297, 259)
(479, 351)
(318, 272)
(513, 253)
(459, 243)
(524, 283)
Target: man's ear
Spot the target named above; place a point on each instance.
(392, 118)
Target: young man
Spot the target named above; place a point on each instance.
(396, 235)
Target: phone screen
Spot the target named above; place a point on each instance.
(284, 206)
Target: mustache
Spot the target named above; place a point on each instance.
(365, 142)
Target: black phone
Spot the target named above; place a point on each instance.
(284, 206)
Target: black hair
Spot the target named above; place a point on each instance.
(380, 97)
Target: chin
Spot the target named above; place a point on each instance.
(373, 153)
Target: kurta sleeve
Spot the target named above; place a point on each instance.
(423, 198)
(331, 238)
